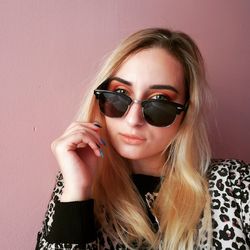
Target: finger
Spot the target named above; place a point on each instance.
(75, 126)
(84, 130)
(88, 141)
(94, 124)
(80, 139)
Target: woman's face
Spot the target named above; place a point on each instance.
(148, 67)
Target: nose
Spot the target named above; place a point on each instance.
(134, 116)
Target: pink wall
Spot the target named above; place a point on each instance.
(51, 49)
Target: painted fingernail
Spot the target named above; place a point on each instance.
(97, 125)
(101, 153)
(102, 142)
(98, 145)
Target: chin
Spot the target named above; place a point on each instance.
(131, 155)
(131, 152)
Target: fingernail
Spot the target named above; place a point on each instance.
(98, 145)
(97, 125)
(101, 153)
(102, 142)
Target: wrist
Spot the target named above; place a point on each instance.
(79, 194)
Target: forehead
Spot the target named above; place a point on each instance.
(152, 66)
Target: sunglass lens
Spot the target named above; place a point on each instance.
(113, 104)
(159, 114)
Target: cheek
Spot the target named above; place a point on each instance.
(112, 126)
(165, 136)
(157, 138)
(108, 123)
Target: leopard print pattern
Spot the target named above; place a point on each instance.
(229, 187)
(42, 244)
(150, 198)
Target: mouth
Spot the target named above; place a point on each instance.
(132, 139)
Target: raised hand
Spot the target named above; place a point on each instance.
(77, 152)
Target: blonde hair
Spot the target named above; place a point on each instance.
(183, 196)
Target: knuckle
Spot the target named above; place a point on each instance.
(74, 125)
(59, 148)
(54, 146)
(79, 128)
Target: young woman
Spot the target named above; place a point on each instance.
(135, 166)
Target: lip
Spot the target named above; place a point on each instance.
(132, 139)
(133, 136)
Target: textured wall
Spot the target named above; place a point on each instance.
(51, 49)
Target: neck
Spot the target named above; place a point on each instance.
(152, 166)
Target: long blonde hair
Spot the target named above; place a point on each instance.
(183, 196)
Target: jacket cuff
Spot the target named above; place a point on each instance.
(73, 222)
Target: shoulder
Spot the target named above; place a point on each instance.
(230, 169)
(229, 179)
(229, 187)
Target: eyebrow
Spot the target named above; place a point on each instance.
(155, 86)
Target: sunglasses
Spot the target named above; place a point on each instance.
(157, 112)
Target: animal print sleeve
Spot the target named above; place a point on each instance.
(229, 182)
(245, 200)
(47, 233)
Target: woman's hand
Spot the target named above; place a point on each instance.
(76, 152)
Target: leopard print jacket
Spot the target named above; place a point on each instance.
(229, 187)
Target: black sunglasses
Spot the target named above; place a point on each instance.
(160, 113)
